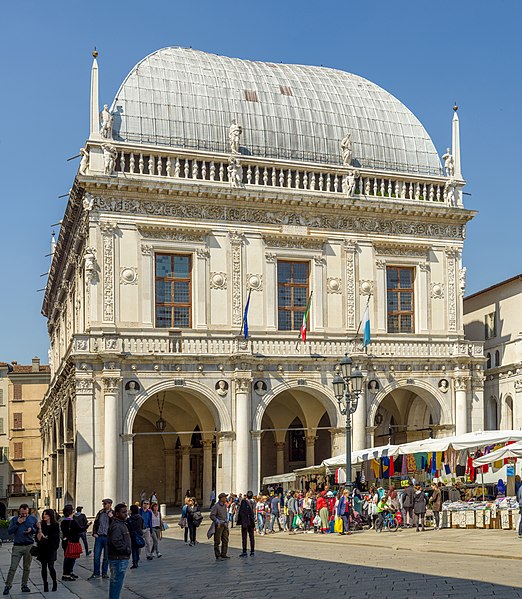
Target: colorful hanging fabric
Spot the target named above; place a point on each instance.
(375, 466)
(391, 469)
(385, 461)
(411, 464)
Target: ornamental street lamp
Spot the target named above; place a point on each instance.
(348, 386)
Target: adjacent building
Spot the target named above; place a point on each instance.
(4, 438)
(214, 188)
(493, 316)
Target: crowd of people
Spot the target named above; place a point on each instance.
(118, 535)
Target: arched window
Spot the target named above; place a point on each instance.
(488, 364)
(492, 414)
(509, 413)
(497, 358)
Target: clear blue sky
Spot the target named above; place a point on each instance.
(427, 54)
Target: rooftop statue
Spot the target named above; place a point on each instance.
(235, 172)
(110, 153)
(84, 162)
(449, 163)
(234, 135)
(106, 122)
(349, 183)
(346, 149)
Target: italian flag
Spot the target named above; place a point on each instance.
(302, 330)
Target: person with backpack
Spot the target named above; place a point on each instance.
(194, 519)
(84, 524)
(419, 507)
(136, 526)
(247, 520)
(71, 545)
(407, 504)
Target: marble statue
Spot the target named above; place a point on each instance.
(450, 190)
(106, 122)
(110, 153)
(449, 163)
(346, 149)
(90, 265)
(462, 279)
(88, 202)
(235, 172)
(84, 162)
(349, 183)
(234, 135)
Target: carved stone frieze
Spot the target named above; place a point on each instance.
(107, 229)
(129, 275)
(415, 251)
(296, 242)
(518, 386)
(366, 287)
(437, 290)
(245, 214)
(451, 258)
(334, 285)
(254, 282)
(236, 241)
(173, 234)
(218, 280)
(350, 250)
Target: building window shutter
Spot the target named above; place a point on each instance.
(1, 397)
(17, 420)
(18, 450)
(17, 392)
(1, 426)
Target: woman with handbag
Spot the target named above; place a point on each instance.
(157, 528)
(183, 520)
(47, 543)
(71, 546)
(136, 526)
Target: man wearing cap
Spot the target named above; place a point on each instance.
(219, 515)
(100, 530)
(146, 514)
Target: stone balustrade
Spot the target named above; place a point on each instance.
(266, 346)
(253, 172)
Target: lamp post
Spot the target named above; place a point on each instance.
(348, 386)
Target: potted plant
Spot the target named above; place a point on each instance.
(4, 535)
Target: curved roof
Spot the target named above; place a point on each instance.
(186, 98)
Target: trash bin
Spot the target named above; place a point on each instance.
(163, 509)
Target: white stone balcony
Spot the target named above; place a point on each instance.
(165, 344)
(215, 168)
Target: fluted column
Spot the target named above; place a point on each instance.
(111, 384)
(207, 470)
(310, 450)
(185, 470)
(359, 423)
(280, 457)
(461, 405)
(242, 397)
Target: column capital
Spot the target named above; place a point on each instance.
(207, 444)
(127, 438)
(226, 435)
(311, 439)
(280, 445)
(242, 382)
(185, 449)
(336, 431)
(111, 383)
(461, 383)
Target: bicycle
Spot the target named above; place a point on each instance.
(389, 522)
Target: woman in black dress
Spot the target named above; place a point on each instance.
(135, 524)
(48, 541)
(71, 542)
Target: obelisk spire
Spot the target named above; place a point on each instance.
(94, 130)
(455, 142)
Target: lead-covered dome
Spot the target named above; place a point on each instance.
(185, 98)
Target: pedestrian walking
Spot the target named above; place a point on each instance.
(322, 510)
(275, 513)
(23, 527)
(260, 514)
(293, 510)
(343, 511)
(146, 514)
(157, 528)
(71, 545)
(219, 516)
(419, 507)
(119, 546)
(194, 519)
(247, 520)
(183, 520)
(135, 524)
(407, 504)
(48, 541)
(435, 503)
(81, 518)
(153, 498)
(212, 498)
(100, 531)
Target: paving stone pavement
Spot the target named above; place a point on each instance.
(443, 564)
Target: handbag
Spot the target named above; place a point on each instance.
(182, 523)
(317, 520)
(338, 526)
(73, 550)
(164, 525)
(139, 541)
(197, 518)
(34, 551)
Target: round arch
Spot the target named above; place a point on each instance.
(316, 390)
(214, 404)
(425, 391)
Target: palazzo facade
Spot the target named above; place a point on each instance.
(211, 182)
